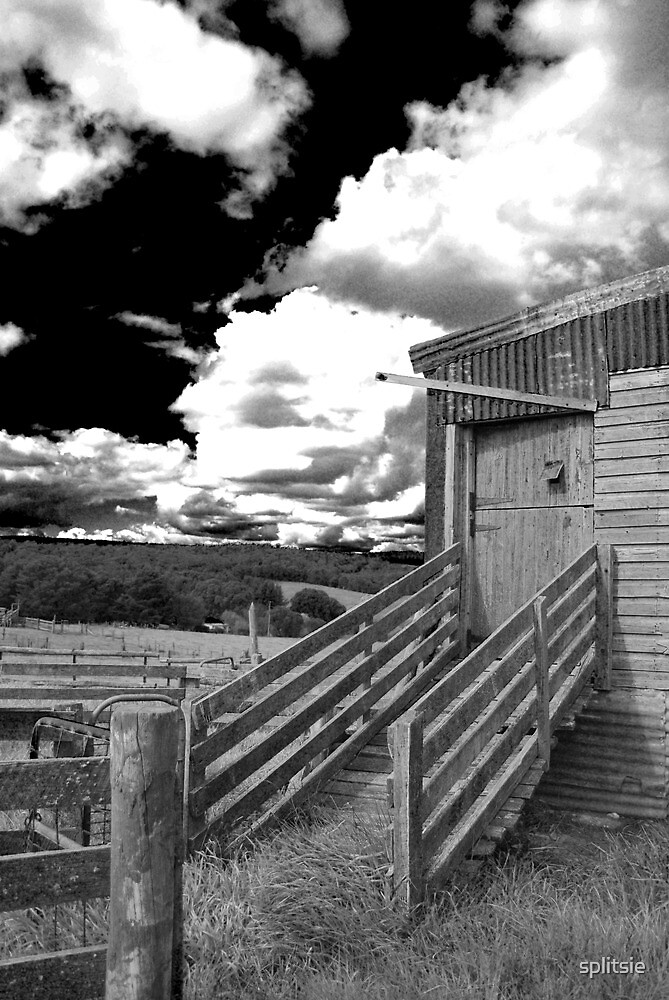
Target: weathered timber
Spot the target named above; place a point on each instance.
(314, 674)
(643, 606)
(345, 753)
(144, 751)
(78, 973)
(48, 696)
(490, 392)
(622, 381)
(637, 483)
(541, 667)
(642, 517)
(463, 745)
(657, 587)
(206, 795)
(640, 572)
(103, 671)
(611, 452)
(228, 698)
(624, 431)
(633, 465)
(435, 701)
(323, 701)
(633, 415)
(46, 878)
(407, 811)
(465, 791)
(28, 784)
(473, 741)
(470, 827)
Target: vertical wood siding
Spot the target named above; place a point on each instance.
(632, 513)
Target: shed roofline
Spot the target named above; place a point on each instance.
(429, 354)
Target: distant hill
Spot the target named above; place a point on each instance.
(349, 598)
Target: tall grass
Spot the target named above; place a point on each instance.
(307, 914)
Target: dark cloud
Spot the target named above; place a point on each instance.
(268, 408)
(27, 503)
(278, 373)
(203, 514)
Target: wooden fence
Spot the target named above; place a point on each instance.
(91, 677)
(329, 693)
(140, 871)
(477, 732)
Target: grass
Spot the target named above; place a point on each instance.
(306, 914)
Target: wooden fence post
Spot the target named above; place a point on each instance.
(602, 677)
(543, 691)
(145, 744)
(408, 874)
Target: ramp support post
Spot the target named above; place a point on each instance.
(408, 871)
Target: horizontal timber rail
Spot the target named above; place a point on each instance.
(462, 749)
(251, 739)
(48, 683)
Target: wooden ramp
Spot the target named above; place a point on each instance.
(472, 749)
(365, 786)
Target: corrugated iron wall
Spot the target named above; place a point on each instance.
(615, 760)
(638, 334)
(568, 360)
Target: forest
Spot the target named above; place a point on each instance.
(185, 585)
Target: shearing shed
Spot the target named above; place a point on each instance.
(525, 486)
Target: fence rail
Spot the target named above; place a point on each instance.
(477, 732)
(47, 682)
(251, 738)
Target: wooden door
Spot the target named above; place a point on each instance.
(531, 511)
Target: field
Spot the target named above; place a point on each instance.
(166, 642)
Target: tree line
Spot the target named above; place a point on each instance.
(183, 585)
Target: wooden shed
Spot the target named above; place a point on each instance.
(525, 486)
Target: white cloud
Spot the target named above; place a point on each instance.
(133, 63)
(554, 178)
(320, 25)
(337, 403)
(11, 336)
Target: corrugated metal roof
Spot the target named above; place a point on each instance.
(429, 355)
(568, 360)
(616, 758)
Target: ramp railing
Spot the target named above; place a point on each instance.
(478, 731)
(257, 745)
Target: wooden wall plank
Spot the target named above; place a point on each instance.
(647, 396)
(631, 448)
(636, 483)
(634, 536)
(633, 415)
(643, 517)
(625, 431)
(642, 553)
(640, 625)
(631, 465)
(641, 379)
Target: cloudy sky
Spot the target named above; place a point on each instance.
(219, 218)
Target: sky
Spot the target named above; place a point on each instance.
(220, 218)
